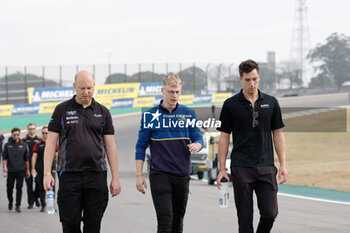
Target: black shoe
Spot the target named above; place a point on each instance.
(42, 209)
(37, 203)
(10, 206)
(30, 206)
(18, 209)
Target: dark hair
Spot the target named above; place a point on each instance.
(247, 66)
(44, 127)
(15, 129)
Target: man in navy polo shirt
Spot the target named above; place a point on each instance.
(85, 132)
(251, 116)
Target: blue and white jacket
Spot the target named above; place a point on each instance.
(168, 135)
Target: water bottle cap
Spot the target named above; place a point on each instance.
(224, 179)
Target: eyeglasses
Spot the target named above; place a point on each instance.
(173, 92)
(44, 133)
(15, 134)
(31, 128)
(255, 122)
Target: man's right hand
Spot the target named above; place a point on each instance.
(49, 182)
(4, 170)
(141, 184)
(221, 174)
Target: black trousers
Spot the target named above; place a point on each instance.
(17, 176)
(39, 180)
(82, 196)
(32, 194)
(170, 197)
(263, 181)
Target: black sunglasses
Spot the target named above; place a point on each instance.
(255, 122)
(15, 134)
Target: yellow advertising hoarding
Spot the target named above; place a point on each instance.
(186, 99)
(220, 97)
(30, 91)
(105, 102)
(143, 102)
(117, 91)
(6, 110)
(45, 108)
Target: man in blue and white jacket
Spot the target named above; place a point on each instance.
(171, 132)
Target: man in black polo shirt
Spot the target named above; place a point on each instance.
(38, 165)
(30, 139)
(85, 132)
(251, 116)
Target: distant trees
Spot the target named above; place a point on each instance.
(146, 76)
(33, 80)
(332, 60)
(321, 81)
(193, 80)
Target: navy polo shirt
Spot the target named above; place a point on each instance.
(81, 131)
(252, 146)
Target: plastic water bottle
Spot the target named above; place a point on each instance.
(50, 202)
(224, 195)
(5, 176)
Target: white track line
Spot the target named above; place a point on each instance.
(298, 196)
(314, 199)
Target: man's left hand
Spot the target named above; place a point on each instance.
(115, 188)
(194, 147)
(282, 175)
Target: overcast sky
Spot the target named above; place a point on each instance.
(54, 32)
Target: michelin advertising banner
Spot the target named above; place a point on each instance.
(49, 94)
(150, 89)
(143, 102)
(220, 97)
(6, 110)
(47, 108)
(117, 91)
(202, 98)
(186, 99)
(122, 103)
(107, 92)
(21, 109)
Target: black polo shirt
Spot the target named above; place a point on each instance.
(30, 142)
(252, 146)
(81, 131)
(39, 148)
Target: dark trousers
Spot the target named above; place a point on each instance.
(263, 181)
(39, 180)
(170, 197)
(32, 194)
(82, 192)
(17, 176)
